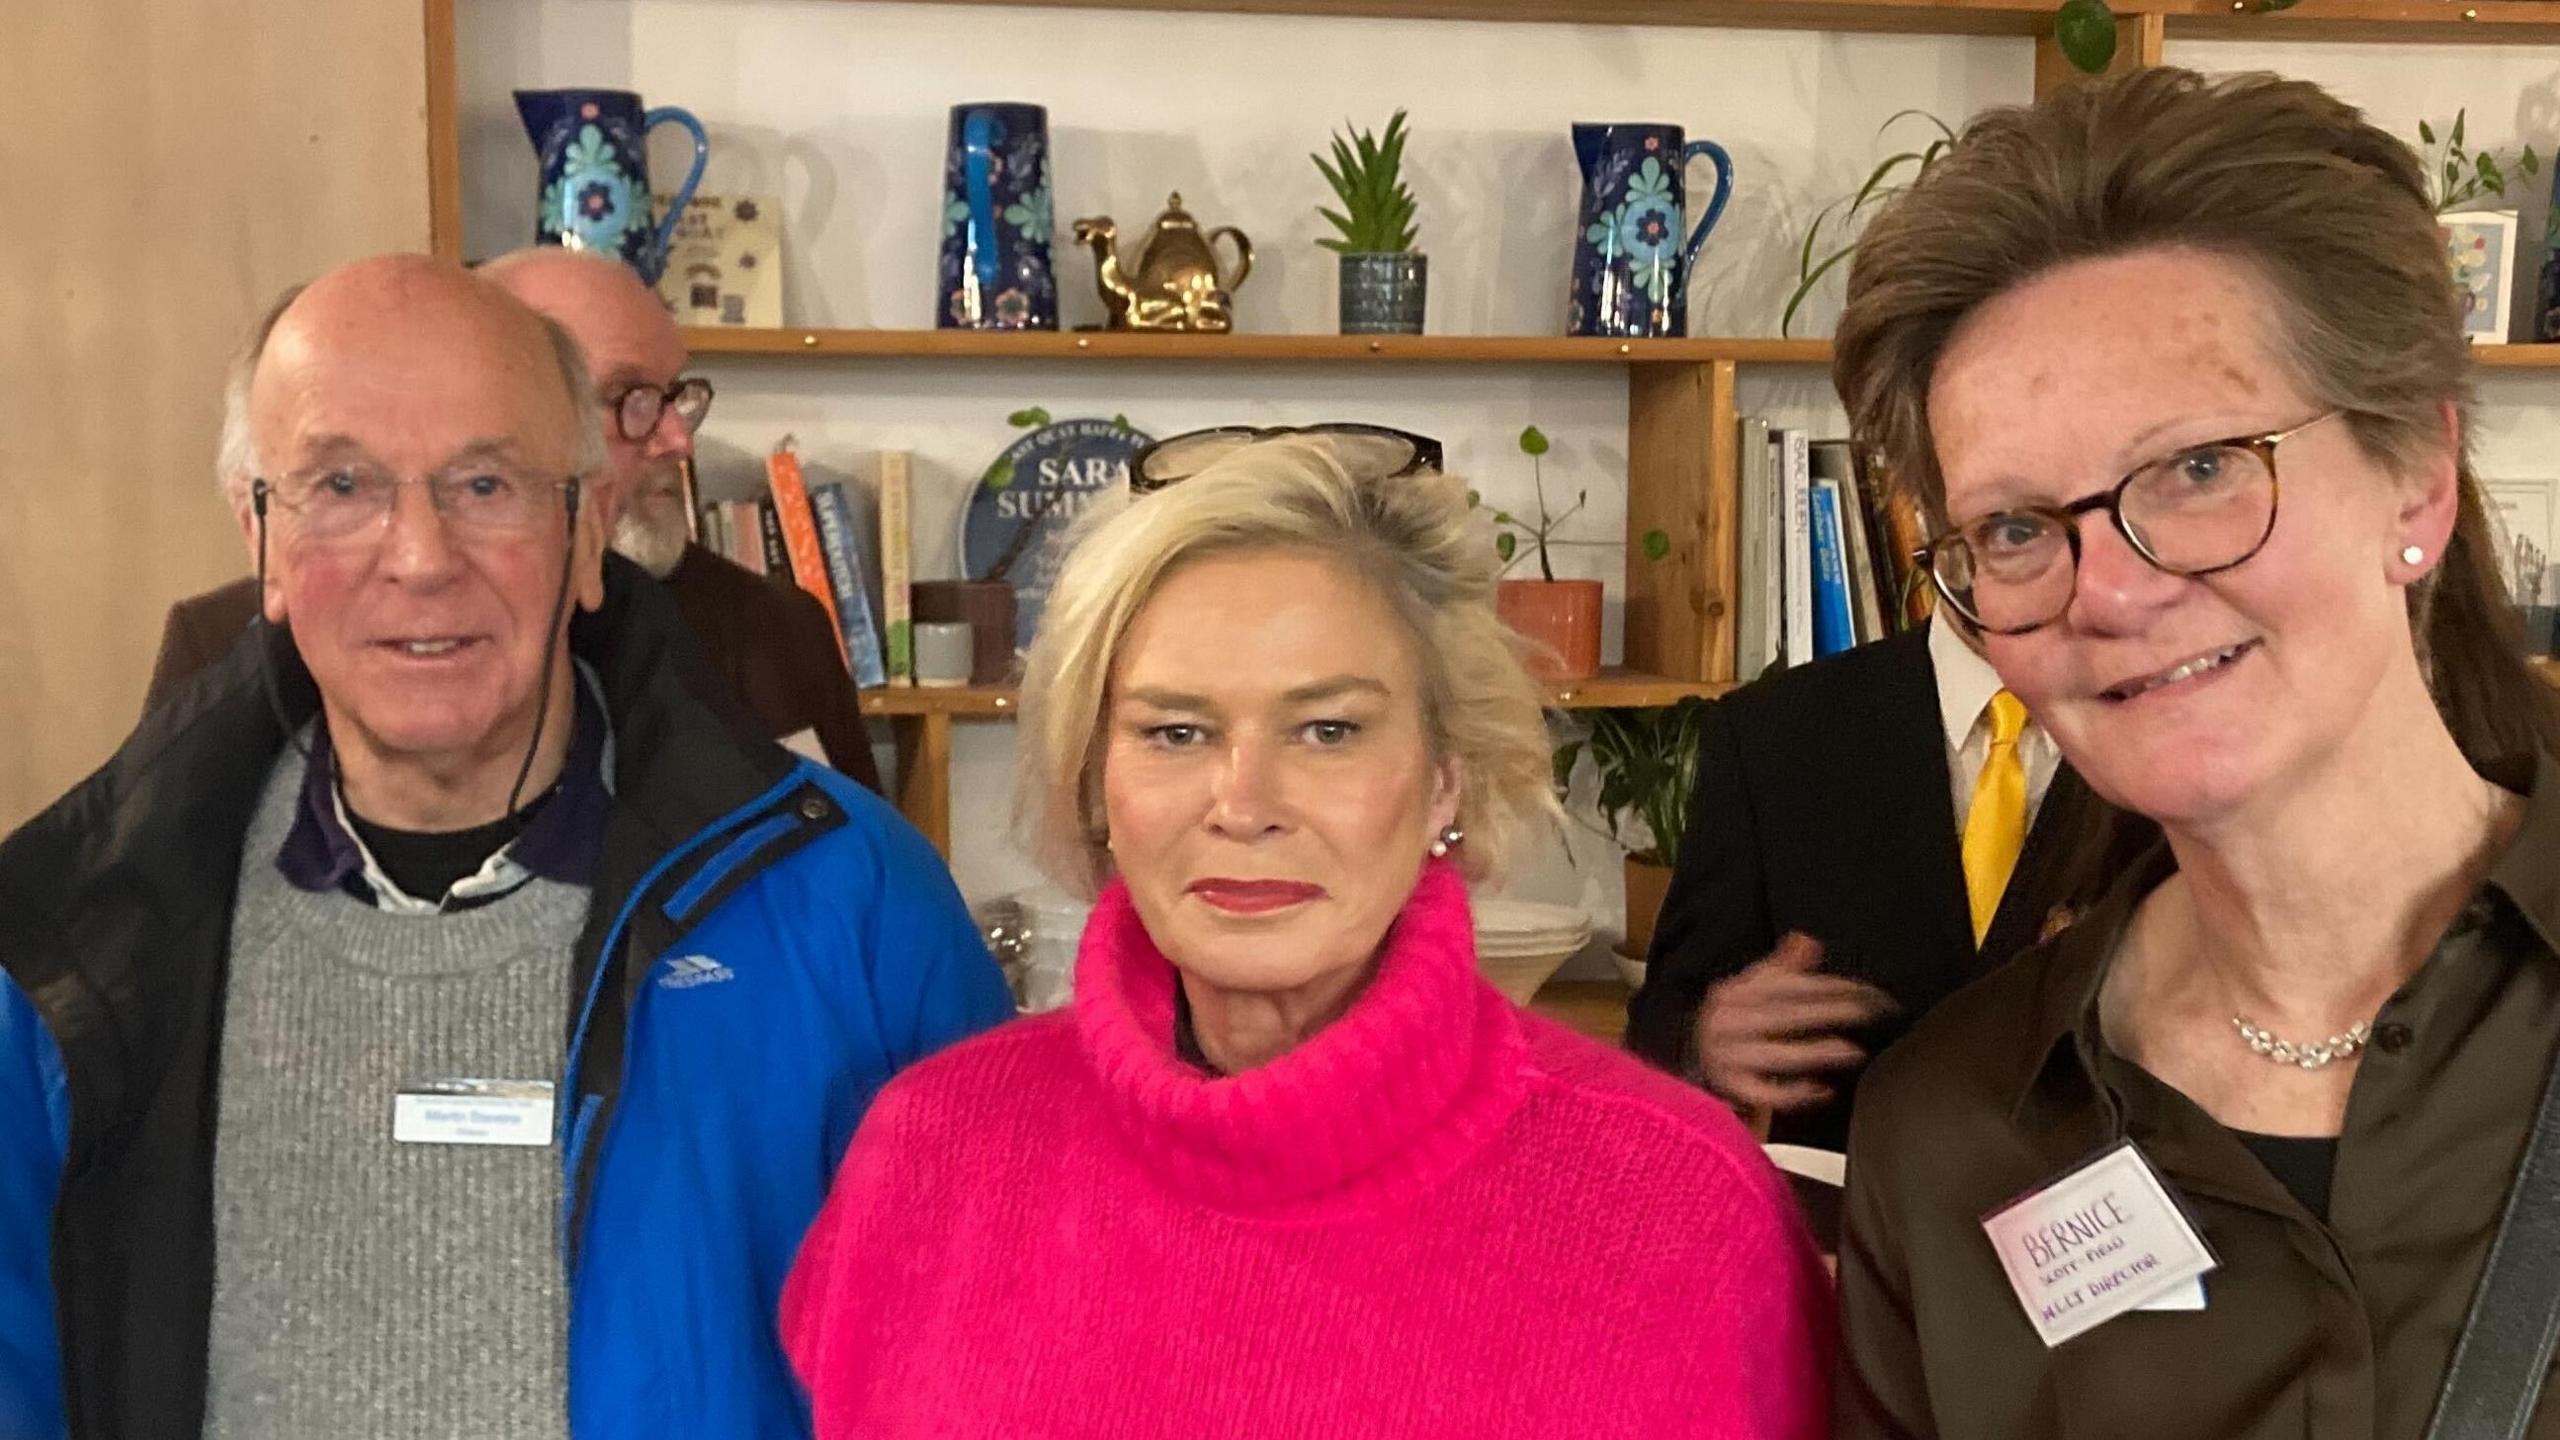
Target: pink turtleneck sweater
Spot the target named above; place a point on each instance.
(1438, 1216)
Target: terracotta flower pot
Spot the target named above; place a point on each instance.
(1647, 883)
(1561, 618)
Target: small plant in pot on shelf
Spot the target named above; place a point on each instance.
(1647, 763)
(1560, 618)
(1384, 278)
(2479, 234)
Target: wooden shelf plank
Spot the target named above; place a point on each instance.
(1330, 349)
(2421, 21)
(1613, 687)
(1243, 349)
(1597, 1008)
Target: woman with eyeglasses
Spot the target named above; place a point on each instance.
(2174, 370)
(1287, 1167)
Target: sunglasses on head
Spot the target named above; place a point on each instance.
(1372, 451)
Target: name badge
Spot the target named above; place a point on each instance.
(473, 1112)
(2105, 1239)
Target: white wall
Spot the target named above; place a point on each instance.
(841, 108)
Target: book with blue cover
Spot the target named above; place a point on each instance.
(1835, 627)
(844, 576)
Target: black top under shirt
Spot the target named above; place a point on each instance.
(426, 862)
(2303, 1164)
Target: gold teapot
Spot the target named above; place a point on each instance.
(1177, 286)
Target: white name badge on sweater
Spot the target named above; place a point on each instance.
(473, 1112)
(2105, 1239)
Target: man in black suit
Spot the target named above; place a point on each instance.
(1821, 901)
(769, 637)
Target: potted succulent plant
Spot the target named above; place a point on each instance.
(1384, 278)
(1647, 760)
(1560, 618)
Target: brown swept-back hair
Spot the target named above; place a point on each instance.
(2328, 211)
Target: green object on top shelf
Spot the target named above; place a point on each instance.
(1880, 186)
(1366, 174)
(2086, 31)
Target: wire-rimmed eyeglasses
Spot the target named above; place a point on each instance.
(2201, 510)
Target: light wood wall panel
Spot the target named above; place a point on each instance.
(171, 165)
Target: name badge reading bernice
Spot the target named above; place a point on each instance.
(473, 1112)
(2105, 1239)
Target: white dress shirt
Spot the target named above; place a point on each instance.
(1966, 683)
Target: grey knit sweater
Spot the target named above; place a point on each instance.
(364, 1287)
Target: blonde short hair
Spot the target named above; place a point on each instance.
(1413, 537)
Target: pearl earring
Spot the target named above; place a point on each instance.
(1448, 838)
(2412, 554)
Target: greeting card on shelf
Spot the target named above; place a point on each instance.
(724, 263)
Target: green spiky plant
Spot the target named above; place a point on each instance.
(1842, 215)
(1367, 176)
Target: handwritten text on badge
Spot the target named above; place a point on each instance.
(2103, 1240)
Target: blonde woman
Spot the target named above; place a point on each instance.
(1287, 1167)
(2175, 370)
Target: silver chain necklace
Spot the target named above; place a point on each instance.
(2310, 1055)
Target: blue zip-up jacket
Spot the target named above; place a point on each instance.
(766, 945)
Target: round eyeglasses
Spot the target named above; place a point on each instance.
(638, 408)
(2199, 511)
(1379, 451)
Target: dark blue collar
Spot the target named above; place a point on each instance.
(560, 844)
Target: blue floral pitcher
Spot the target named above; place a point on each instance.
(997, 224)
(595, 173)
(1630, 267)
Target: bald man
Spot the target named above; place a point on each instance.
(769, 638)
(455, 1026)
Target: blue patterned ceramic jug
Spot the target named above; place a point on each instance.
(595, 172)
(1630, 267)
(997, 224)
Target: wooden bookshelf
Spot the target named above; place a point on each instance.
(858, 345)
(1596, 1008)
(1245, 349)
(2421, 21)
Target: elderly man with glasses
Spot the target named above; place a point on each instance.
(767, 636)
(443, 1016)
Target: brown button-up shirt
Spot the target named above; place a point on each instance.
(2334, 1331)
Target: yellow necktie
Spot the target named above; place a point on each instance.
(1995, 830)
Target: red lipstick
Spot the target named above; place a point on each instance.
(1254, 897)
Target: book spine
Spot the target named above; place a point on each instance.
(1755, 588)
(1834, 624)
(777, 555)
(744, 525)
(844, 574)
(804, 559)
(1797, 486)
(1836, 462)
(897, 565)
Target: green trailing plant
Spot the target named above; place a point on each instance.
(1842, 217)
(1367, 176)
(1647, 762)
(1509, 528)
(2458, 176)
